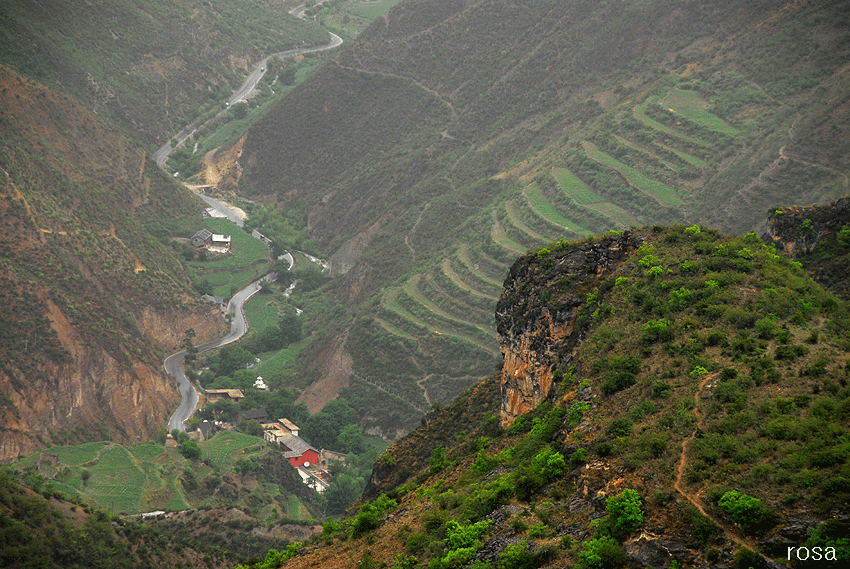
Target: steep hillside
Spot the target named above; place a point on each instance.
(92, 301)
(149, 68)
(453, 136)
(688, 408)
(47, 530)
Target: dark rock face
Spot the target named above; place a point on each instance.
(657, 552)
(539, 316)
(810, 235)
(799, 230)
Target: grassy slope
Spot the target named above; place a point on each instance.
(422, 124)
(45, 529)
(748, 391)
(147, 477)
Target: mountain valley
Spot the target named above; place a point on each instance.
(586, 277)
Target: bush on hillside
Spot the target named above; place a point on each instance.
(747, 511)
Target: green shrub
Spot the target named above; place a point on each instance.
(538, 530)
(702, 528)
(789, 352)
(749, 559)
(619, 382)
(602, 553)
(766, 325)
(578, 457)
(459, 536)
(548, 464)
(747, 511)
(661, 390)
(624, 512)
(517, 557)
(366, 521)
(716, 339)
(656, 331)
(831, 533)
(620, 427)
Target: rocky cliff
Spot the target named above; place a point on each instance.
(812, 235)
(539, 316)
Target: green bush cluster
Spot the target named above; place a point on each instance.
(747, 511)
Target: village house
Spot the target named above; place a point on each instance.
(234, 395)
(259, 415)
(213, 242)
(219, 243)
(310, 463)
(298, 451)
(201, 238)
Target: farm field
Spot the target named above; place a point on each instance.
(144, 477)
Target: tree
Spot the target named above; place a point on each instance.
(290, 327)
(190, 450)
(253, 428)
(350, 439)
(287, 77)
(191, 350)
(239, 111)
(343, 492)
(624, 512)
(229, 359)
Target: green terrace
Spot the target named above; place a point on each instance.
(145, 477)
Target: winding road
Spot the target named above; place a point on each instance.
(161, 155)
(174, 363)
(238, 326)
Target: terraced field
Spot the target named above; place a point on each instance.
(691, 106)
(575, 188)
(544, 208)
(662, 193)
(138, 478)
(641, 167)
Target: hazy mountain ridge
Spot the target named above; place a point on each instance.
(149, 68)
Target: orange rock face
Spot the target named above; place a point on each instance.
(539, 316)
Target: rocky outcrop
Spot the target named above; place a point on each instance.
(811, 236)
(94, 393)
(91, 300)
(797, 231)
(539, 316)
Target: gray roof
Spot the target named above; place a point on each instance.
(296, 445)
(258, 414)
(203, 234)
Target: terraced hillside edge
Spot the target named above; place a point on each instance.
(698, 417)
